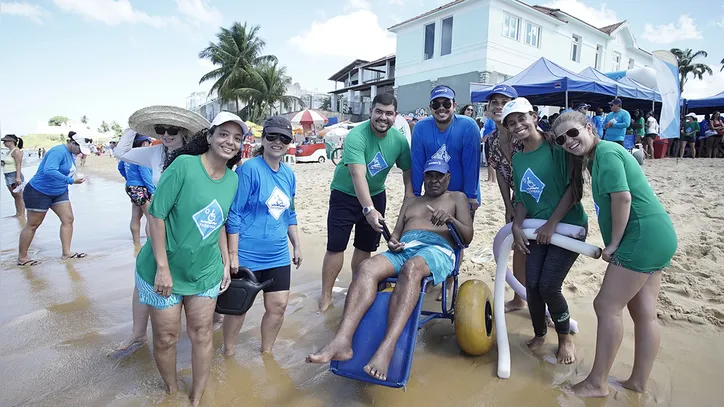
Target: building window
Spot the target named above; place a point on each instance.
(616, 61)
(511, 26)
(532, 34)
(599, 57)
(631, 63)
(447, 27)
(429, 40)
(576, 48)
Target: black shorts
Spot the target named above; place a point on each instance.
(345, 211)
(282, 278)
(651, 135)
(688, 139)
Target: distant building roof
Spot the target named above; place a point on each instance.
(443, 7)
(609, 29)
(342, 73)
(380, 61)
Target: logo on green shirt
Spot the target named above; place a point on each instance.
(209, 219)
(377, 164)
(532, 185)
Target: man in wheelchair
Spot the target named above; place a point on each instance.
(420, 246)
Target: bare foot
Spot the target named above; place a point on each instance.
(324, 303)
(634, 386)
(194, 400)
(566, 350)
(536, 343)
(380, 362)
(515, 304)
(549, 322)
(449, 294)
(229, 350)
(336, 350)
(587, 389)
(131, 343)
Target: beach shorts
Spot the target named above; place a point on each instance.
(651, 135)
(139, 195)
(689, 139)
(10, 178)
(147, 296)
(433, 248)
(37, 201)
(345, 211)
(647, 245)
(282, 278)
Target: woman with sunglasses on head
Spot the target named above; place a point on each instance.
(261, 222)
(12, 166)
(48, 189)
(173, 126)
(184, 265)
(640, 241)
(547, 185)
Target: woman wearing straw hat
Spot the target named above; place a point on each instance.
(173, 126)
(12, 166)
(48, 189)
(185, 263)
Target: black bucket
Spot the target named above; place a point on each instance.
(239, 297)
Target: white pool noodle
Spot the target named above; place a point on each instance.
(502, 272)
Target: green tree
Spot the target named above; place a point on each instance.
(104, 128)
(266, 87)
(237, 50)
(326, 104)
(57, 121)
(687, 65)
(116, 128)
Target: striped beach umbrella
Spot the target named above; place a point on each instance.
(308, 117)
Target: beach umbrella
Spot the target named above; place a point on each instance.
(308, 118)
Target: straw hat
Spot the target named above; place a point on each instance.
(143, 120)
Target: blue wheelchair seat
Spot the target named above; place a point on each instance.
(628, 141)
(373, 326)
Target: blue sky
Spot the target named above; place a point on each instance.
(107, 58)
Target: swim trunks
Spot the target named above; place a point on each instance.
(433, 248)
(147, 296)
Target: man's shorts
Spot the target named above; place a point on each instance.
(345, 211)
(139, 195)
(282, 278)
(147, 296)
(37, 201)
(433, 248)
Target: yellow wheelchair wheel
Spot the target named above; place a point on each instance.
(474, 328)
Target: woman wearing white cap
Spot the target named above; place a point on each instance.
(48, 189)
(185, 263)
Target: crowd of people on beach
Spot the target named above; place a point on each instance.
(209, 214)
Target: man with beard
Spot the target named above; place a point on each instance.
(452, 138)
(420, 246)
(358, 189)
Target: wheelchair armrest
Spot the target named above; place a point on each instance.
(456, 236)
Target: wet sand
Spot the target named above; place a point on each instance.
(59, 320)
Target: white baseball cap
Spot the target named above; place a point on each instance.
(517, 105)
(80, 140)
(225, 117)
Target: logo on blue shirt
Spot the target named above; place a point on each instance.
(209, 219)
(377, 164)
(277, 203)
(441, 154)
(531, 184)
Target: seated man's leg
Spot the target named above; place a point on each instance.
(402, 302)
(361, 295)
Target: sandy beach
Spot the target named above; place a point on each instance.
(78, 310)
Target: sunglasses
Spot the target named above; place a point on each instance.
(161, 130)
(572, 133)
(282, 137)
(435, 104)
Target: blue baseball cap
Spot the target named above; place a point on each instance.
(616, 101)
(437, 165)
(442, 91)
(505, 90)
(142, 138)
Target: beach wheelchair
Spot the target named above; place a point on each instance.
(373, 326)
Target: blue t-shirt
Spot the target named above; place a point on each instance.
(261, 214)
(55, 172)
(489, 126)
(599, 122)
(459, 146)
(122, 169)
(139, 176)
(618, 131)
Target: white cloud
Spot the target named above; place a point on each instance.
(352, 5)
(667, 33)
(709, 86)
(22, 9)
(597, 17)
(201, 11)
(112, 12)
(354, 35)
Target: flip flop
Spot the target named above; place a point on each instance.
(78, 256)
(29, 263)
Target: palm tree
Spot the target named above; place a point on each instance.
(686, 65)
(266, 87)
(237, 50)
(722, 65)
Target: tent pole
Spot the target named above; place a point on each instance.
(566, 106)
(653, 105)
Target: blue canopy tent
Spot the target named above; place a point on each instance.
(707, 105)
(632, 96)
(545, 83)
(646, 92)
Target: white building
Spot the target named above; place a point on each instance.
(489, 41)
(208, 105)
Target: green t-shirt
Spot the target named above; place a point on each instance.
(541, 178)
(362, 146)
(691, 129)
(194, 207)
(641, 131)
